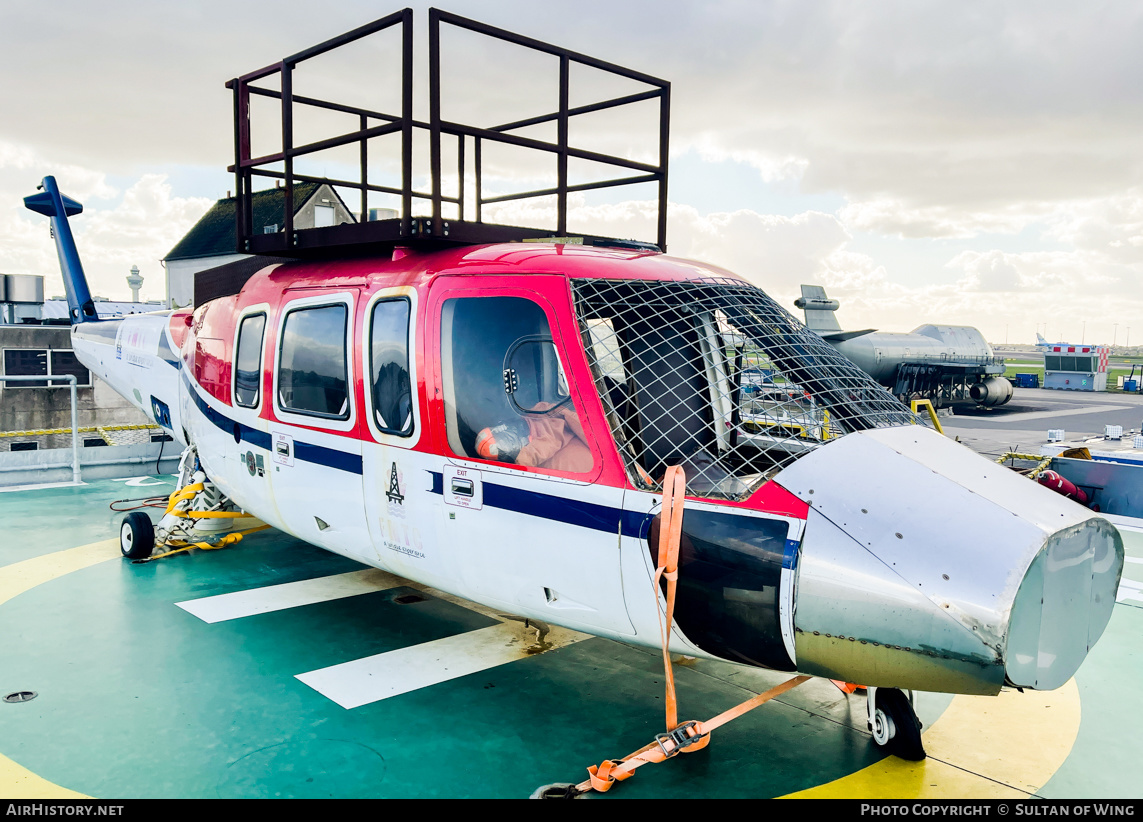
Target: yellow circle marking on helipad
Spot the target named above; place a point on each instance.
(16, 781)
(982, 747)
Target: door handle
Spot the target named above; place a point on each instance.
(462, 487)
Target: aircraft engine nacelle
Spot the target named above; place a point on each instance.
(890, 592)
(991, 392)
(817, 304)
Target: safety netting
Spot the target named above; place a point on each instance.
(714, 375)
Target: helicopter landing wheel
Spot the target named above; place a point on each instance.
(136, 536)
(895, 725)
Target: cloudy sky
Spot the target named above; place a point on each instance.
(973, 162)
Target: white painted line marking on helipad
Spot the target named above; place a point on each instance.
(289, 595)
(43, 485)
(1129, 589)
(1136, 560)
(373, 678)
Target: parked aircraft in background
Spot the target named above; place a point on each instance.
(1044, 345)
(942, 363)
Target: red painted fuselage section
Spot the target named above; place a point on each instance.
(536, 270)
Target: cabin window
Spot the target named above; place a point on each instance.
(248, 361)
(313, 370)
(389, 367)
(506, 393)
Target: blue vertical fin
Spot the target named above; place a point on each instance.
(51, 203)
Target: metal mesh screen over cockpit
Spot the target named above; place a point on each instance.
(714, 375)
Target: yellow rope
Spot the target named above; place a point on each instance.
(188, 492)
(1042, 462)
(229, 539)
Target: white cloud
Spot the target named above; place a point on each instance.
(897, 217)
(992, 271)
(773, 168)
(138, 230)
(1110, 226)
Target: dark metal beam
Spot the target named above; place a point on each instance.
(364, 154)
(309, 178)
(526, 142)
(664, 156)
(435, 114)
(572, 112)
(344, 139)
(547, 48)
(562, 156)
(407, 123)
(547, 192)
(287, 146)
(316, 103)
(348, 37)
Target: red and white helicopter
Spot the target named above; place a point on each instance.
(472, 407)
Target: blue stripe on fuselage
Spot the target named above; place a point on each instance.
(304, 451)
(790, 555)
(558, 509)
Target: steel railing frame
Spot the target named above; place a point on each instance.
(246, 167)
(72, 384)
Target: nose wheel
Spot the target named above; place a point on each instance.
(894, 724)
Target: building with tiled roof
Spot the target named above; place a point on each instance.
(212, 242)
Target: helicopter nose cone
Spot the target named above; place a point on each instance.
(926, 566)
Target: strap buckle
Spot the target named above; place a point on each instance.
(679, 738)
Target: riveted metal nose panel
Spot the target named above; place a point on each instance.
(926, 566)
(857, 619)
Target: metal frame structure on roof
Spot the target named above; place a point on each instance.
(434, 230)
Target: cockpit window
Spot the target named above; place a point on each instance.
(506, 394)
(714, 375)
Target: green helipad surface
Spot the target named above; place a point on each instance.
(140, 697)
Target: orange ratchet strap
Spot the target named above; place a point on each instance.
(690, 736)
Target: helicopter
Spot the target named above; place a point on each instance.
(492, 410)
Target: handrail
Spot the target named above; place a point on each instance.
(928, 406)
(70, 378)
